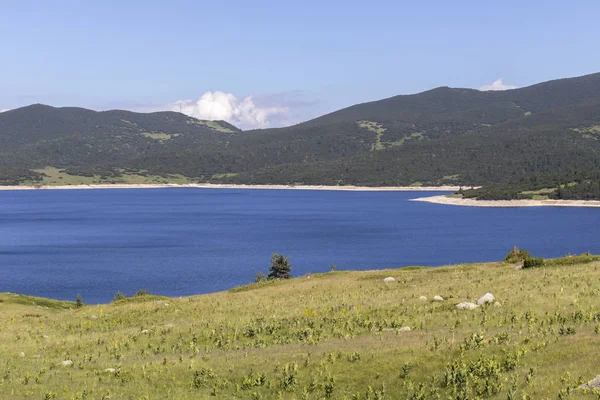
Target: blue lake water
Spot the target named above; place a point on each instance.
(176, 242)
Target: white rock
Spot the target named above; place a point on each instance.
(21, 354)
(46, 337)
(169, 325)
(487, 298)
(497, 304)
(145, 331)
(389, 279)
(593, 384)
(94, 317)
(404, 329)
(423, 298)
(166, 304)
(110, 370)
(67, 363)
(466, 306)
(438, 298)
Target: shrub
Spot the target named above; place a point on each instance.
(119, 296)
(259, 277)
(142, 292)
(534, 262)
(517, 255)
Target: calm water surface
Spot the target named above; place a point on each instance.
(58, 243)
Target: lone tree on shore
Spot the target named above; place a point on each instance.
(280, 267)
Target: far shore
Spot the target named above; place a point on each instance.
(227, 186)
(455, 201)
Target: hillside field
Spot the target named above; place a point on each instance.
(335, 335)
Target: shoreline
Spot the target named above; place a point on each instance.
(453, 201)
(232, 186)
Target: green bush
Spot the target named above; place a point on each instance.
(534, 262)
(119, 296)
(142, 292)
(517, 255)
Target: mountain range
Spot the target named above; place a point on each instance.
(441, 136)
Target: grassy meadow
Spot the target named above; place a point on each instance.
(336, 335)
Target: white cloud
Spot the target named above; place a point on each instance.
(3, 110)
(242, 112)
(497, 85)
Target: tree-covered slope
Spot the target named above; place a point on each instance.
(38, 136)
(444, 135)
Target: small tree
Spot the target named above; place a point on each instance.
(280, 267)
(79, 302)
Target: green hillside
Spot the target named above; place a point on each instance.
(442, 136)
(338, 335)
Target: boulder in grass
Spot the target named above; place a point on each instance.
(66, 363)
(466, 306)
(486, 298)
(404, 329)
(110, 370)
(438, 298)
(389, 279)
(593, 384)
(423, 298)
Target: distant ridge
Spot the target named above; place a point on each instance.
(441, 136)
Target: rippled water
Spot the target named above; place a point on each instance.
(58, 243)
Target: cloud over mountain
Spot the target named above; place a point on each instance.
(242, 112)
(497, 85)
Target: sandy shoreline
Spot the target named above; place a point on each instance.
(218, 186)
(508, 203)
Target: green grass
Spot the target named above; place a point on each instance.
(378, 129)
(224, 175)
(590, 132)
(414, 135)
(160, 135)
(454, 177)
(211, 124)
(333, 335)
(57, 177)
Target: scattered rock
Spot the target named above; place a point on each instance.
(404, 329)
(497, 304)
(466, 306)
(67, 363)
(94, 317)
(144, 331)
(423, 298)
(110, 370)
(21, 354)
(389, 279)
(166, 304)
(486, 298)
(46, 337)
(593, 384)
(438, 298)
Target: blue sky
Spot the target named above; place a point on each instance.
(270, 63)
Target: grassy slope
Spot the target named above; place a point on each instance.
(341, 325)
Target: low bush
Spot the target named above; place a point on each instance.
(516, 255)
(534, 262)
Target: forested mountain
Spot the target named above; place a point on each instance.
(441, 136)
